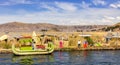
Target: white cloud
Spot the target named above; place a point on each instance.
(65, 14)
(107, 21)
(5, 3)
(87, 16)
(48, 7)
(84, 4)
(20, 1)
(118, 17)
(14, 2)
(59, 6)
(99, 2)
(115, 5)
(66, 6)
(109, 17)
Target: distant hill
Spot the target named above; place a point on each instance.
(115, 27)
(29, 27)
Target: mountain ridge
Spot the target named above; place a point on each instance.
(29, 27)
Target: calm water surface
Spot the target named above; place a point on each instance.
(65, 58)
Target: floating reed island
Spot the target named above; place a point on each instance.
(64, 41)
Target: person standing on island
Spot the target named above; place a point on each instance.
(79, 42)
(85, 44)
(61, 44)
(33, 44)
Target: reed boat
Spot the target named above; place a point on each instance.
(18, 51)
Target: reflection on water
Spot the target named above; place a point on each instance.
(64, 58)
(26, 61)
(23, 60)
(33, 59)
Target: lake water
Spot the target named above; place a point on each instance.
(65, 58)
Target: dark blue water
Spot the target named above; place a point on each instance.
(64, 58)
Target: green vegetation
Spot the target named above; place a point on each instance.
(90, 41)
(26, 48)
(25, 40)
(97, 44)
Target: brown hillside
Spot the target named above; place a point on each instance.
(29, 27)
(114, 28)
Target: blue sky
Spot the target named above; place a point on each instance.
(61, 12)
